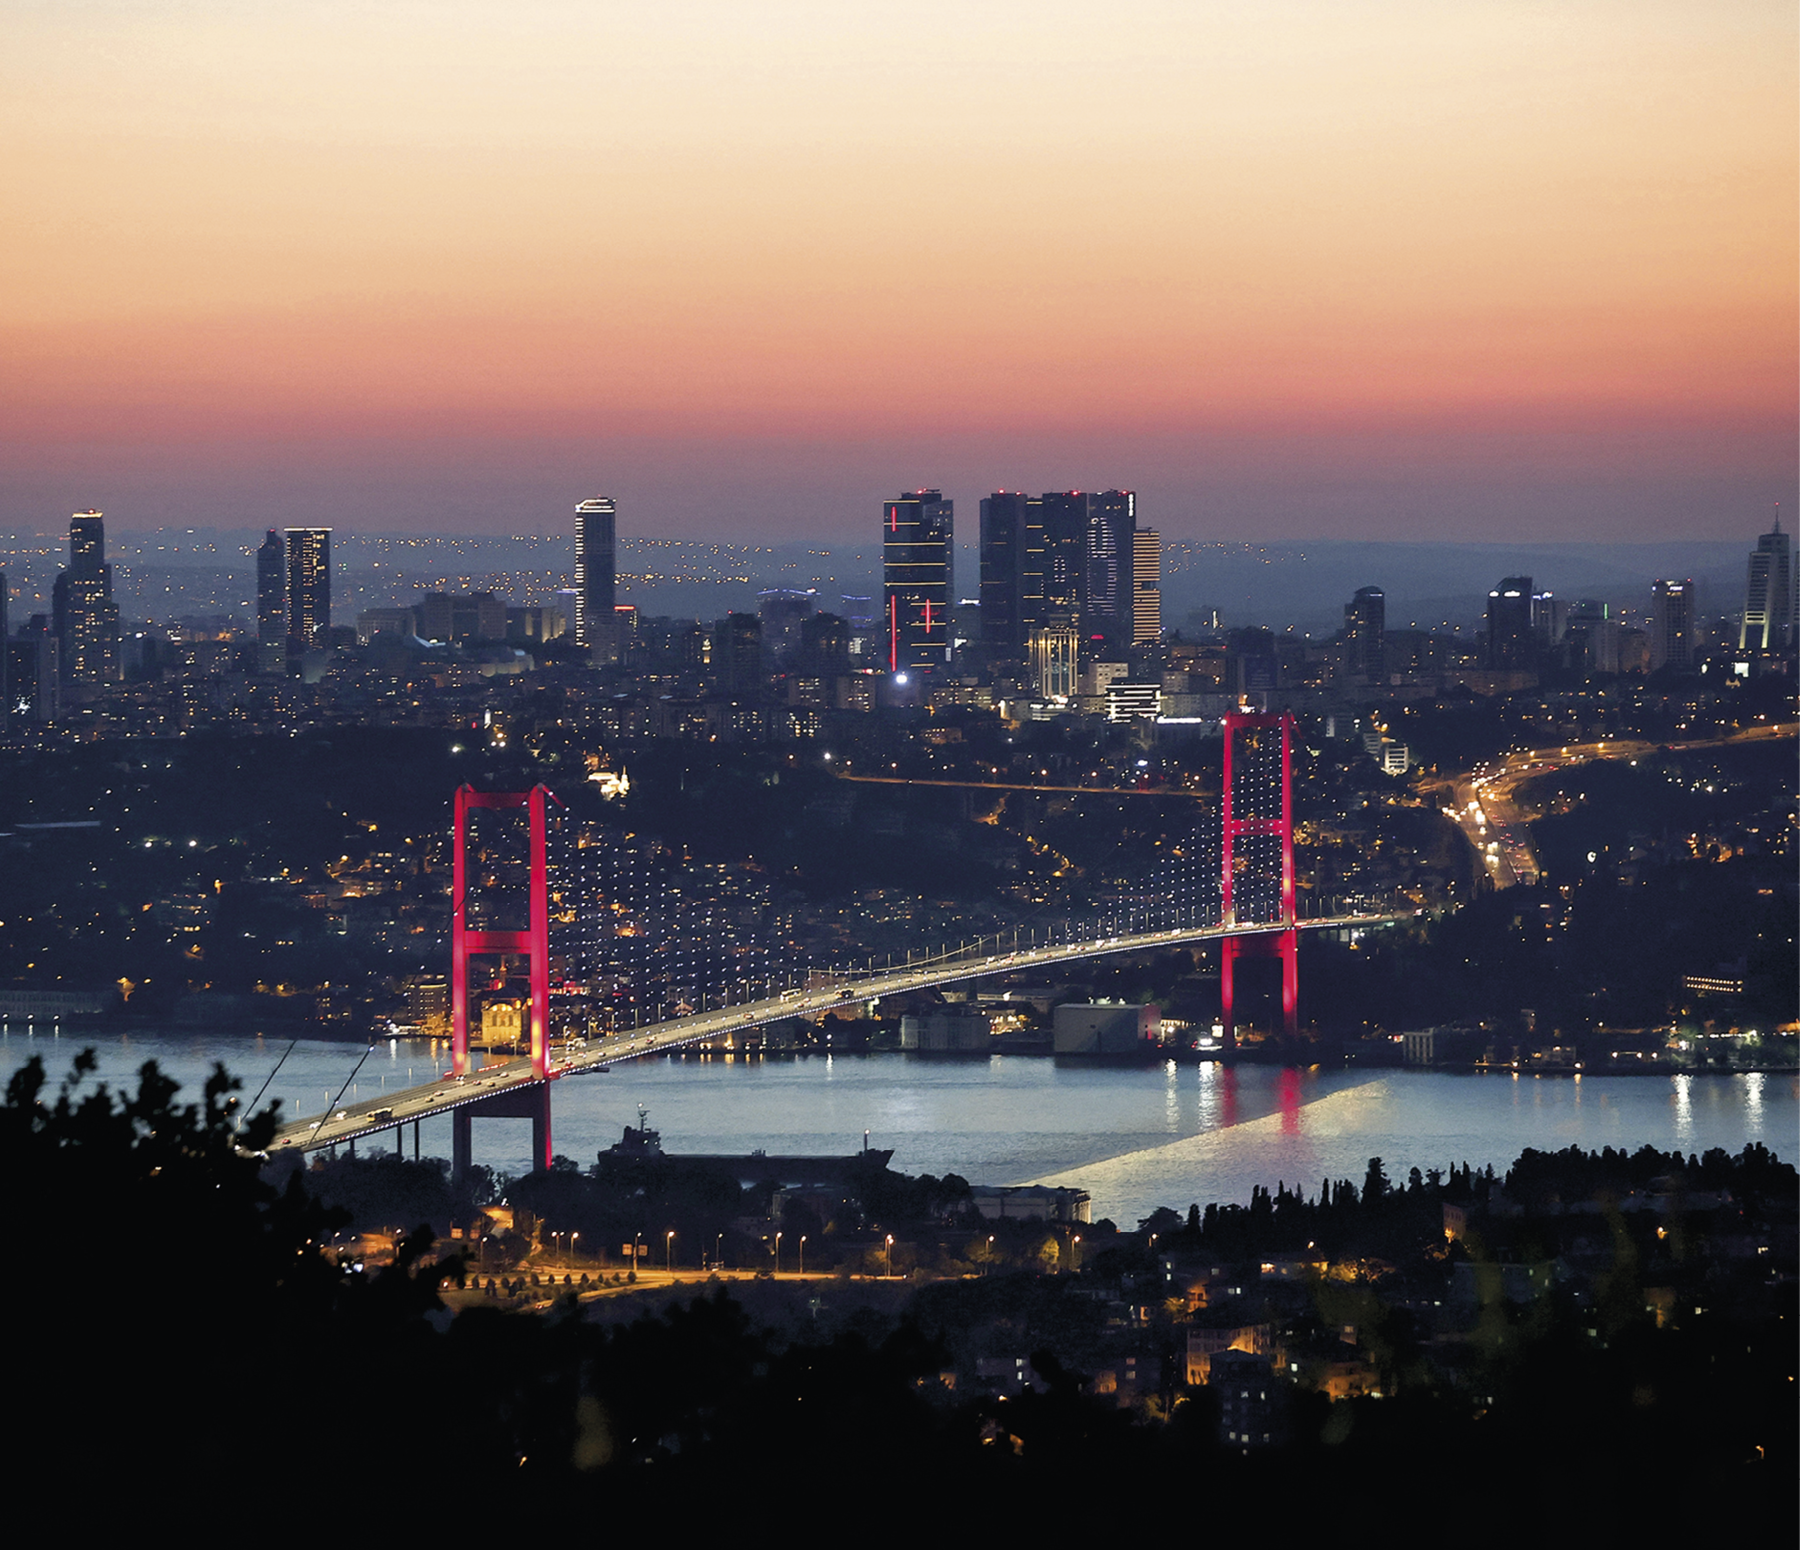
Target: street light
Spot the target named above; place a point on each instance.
(777, 1253)
(669, 1251)
(802, 1254)
(890, 1255)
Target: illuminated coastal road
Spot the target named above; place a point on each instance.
(355, 1121)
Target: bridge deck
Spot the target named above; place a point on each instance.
(389, 1112)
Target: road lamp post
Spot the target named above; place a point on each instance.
(777, 1253)
(803, 1254)
(669, 1251)
(890, 1256)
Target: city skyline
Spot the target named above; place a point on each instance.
(1425, 272)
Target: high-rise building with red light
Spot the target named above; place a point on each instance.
(917, 560)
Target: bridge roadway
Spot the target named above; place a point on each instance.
(355, 1121)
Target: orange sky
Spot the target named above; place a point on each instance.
(756, 264)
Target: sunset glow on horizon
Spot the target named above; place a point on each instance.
(1398, 270)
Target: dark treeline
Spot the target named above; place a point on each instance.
(190, 1354)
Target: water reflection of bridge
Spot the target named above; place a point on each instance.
(1249, 910)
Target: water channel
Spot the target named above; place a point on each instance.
(1134, 1137)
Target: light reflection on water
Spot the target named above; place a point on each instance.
(1136, 1138)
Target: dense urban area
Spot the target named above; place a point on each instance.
(1561, 843)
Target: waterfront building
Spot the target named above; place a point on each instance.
(1769, 594)
(596, 581)
(308, 587)
(918, 539)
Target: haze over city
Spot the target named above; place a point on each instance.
(1292, 271)
(902, 767)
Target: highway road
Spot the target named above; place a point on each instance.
(1483, 802)
(354, 1121)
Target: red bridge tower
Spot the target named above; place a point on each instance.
(525, 1102)
(1257, 846)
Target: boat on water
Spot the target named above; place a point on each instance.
(641, 1145)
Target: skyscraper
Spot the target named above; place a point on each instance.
(1012, 570)
(308, 587)
(1769, 594)
(1111, 530)
(1146, 586)
(1672, 624)
(917, 539)
(1511, 644)
(271, 604)
(1065, 525)
(1365, 633)
(85, 617)
(596, 579)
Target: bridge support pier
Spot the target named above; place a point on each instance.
(1283, 945)
(530, 1102)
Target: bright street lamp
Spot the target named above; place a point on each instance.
(669, 1252)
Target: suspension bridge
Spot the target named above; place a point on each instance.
(1252, 915)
